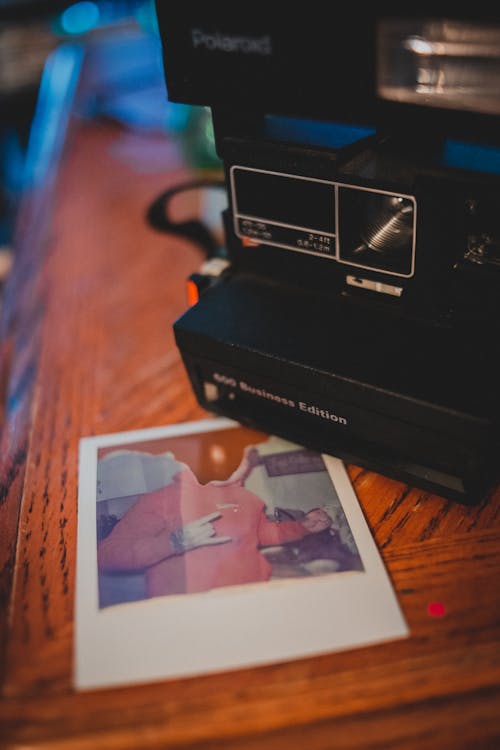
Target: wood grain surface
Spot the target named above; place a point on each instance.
(87, 348)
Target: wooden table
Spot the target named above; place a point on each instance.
(87, 348)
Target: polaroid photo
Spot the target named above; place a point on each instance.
(208, 546)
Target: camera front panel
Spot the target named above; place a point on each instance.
(365, 228)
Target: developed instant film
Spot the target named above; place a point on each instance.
(207, 546)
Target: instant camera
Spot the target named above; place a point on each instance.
(359, 312)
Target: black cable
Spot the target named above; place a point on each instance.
(158, 216)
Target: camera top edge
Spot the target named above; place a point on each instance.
(428, 77)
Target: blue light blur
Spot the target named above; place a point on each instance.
(147, 18)
(472, 156)
(57, 87)
(80, 18)
(314, 132)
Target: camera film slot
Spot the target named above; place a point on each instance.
(288, 211)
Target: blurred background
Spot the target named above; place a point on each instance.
(42, 48)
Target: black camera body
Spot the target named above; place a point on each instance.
(360, 312)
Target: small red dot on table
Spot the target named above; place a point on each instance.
(436, 609)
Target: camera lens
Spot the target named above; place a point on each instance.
(376, 230)
(389, 227)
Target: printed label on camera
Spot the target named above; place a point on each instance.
(302, 240)
(222, 386)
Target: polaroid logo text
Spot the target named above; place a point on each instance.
(218, 42)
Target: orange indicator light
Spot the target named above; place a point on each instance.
(193, 294)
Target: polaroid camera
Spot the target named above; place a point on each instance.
(359, 315)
